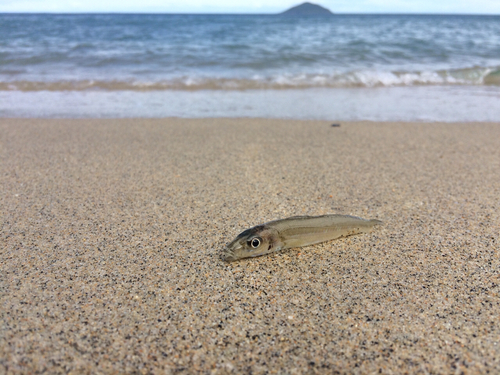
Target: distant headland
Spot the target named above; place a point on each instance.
(307, 9)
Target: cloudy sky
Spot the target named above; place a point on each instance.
(251, 6)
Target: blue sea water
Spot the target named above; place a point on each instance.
(383, 67)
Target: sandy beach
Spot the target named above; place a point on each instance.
(112, 231)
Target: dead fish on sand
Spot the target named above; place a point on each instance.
(296, 231)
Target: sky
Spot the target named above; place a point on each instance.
(251, 6)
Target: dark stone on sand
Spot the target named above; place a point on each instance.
(307, 9)
(335, 125)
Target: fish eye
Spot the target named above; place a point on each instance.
(254, 242)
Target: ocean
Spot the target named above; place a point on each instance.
(344, 67)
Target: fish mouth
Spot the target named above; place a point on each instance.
(229, 258)
(229, 254)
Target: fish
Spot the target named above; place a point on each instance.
(295, 231)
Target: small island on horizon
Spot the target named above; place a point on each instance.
(307, 9)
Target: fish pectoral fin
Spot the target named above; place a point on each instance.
(275, 246)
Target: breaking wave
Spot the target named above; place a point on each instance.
(471, 76)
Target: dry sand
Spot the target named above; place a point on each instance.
(111, 232)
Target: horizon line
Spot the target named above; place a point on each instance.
(249, 14)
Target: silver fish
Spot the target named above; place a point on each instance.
(296, 231)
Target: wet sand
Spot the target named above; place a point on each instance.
(112, 232)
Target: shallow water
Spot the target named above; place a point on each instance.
(390, 67)
(430, 103)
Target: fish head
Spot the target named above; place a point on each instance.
(252, 242)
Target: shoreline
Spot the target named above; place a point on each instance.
(113, 230)
(410, 103)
